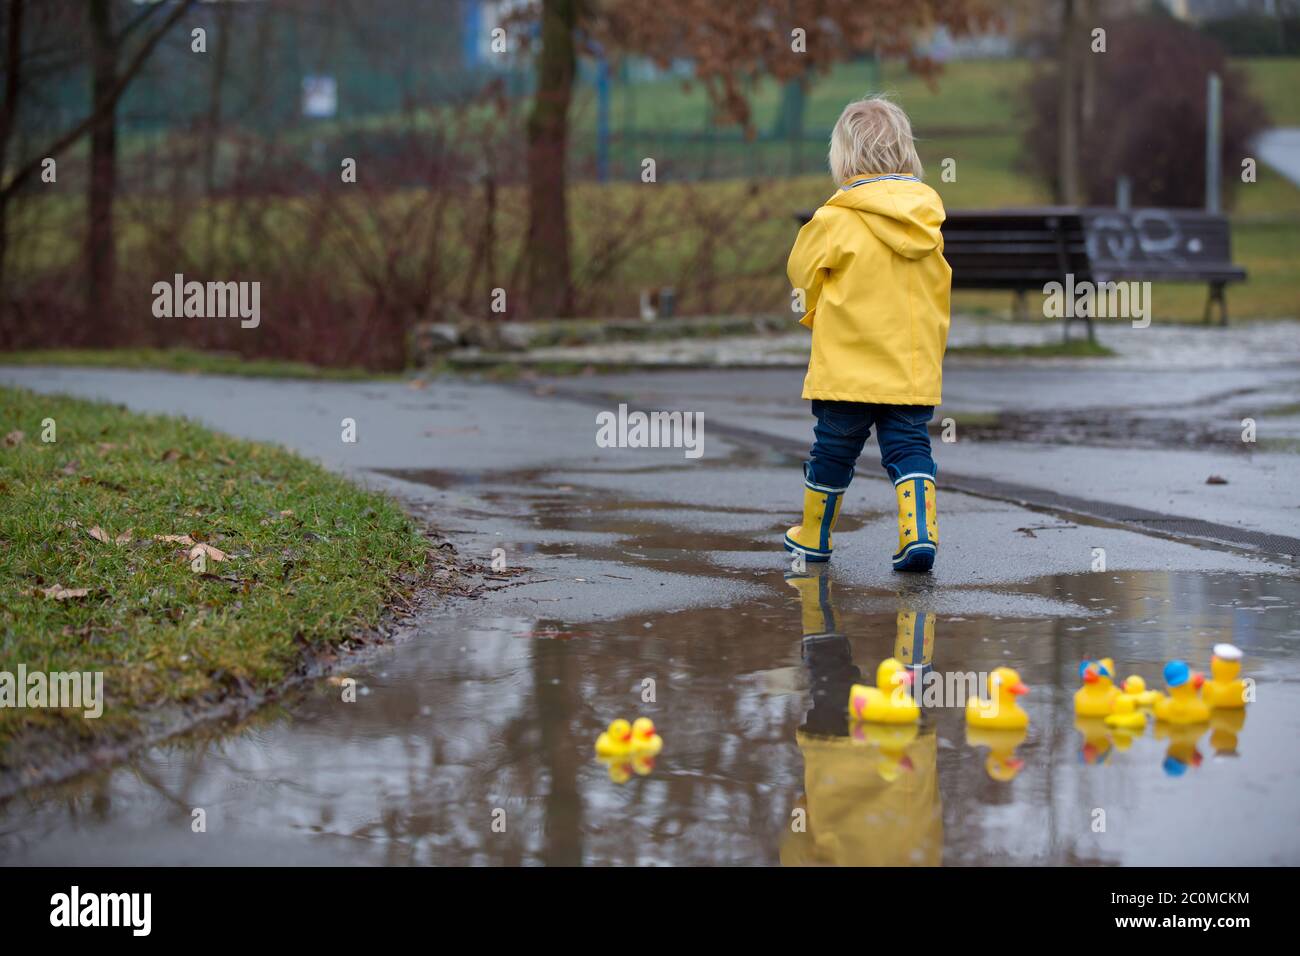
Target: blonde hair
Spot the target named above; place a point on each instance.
(873, 135)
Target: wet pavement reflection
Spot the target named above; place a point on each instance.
(471, 742)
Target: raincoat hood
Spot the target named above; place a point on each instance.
(869, 272)
(906, 216)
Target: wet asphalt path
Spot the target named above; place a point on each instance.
(644, 565)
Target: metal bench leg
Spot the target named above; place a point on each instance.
(1216, 296)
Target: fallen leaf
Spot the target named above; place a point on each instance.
(226, 460)
(99, 534)
(105, 446)
(60, 593)
(184, 539)
(14, 438)
(171, 454)
(214, 553)
(70, 468)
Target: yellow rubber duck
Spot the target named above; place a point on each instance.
(1001, 764)
(889, 702)
(616, 741)
(1184, 704)
(1098, 693)
(1126, 715)
(1135, 688)
(1225, 688)
(645, 741)
(1001, 711)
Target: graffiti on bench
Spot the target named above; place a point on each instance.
(1144, 236)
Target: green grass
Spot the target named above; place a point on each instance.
(971, 116)
(312, 560)
(181, 360)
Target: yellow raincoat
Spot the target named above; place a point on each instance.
(877, 292)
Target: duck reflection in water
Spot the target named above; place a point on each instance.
(871, 791)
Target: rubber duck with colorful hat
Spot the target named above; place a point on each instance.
(1098, 693)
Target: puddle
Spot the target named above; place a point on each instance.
(476, 719)
(471, 742)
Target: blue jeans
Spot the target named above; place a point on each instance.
(843, 428)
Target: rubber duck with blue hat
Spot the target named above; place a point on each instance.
(1184, 704)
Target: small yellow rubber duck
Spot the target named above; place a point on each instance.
(645, 741)
(1225, 688)
(1126, 715)
(1001, 711)
(616, 741)
(1098, 693)
(1135, 688)
(889, 702)
(1184, 704)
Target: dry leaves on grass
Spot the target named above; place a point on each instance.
(59, 593)
(15, 437)
(207, 551)
(184, 539)
(99, 534)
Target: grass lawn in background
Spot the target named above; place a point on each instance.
(98, 531)
(182, 360)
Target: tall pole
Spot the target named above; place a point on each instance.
(1213, 147)
(602, 118)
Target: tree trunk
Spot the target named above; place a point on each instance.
(1068, 110)
(550, 288)
(100, 257)
(8, 114)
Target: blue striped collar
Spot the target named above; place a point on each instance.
(876, 179)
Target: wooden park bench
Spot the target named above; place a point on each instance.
(1021, 250)
(1024, 249)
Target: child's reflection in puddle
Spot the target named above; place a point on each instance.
(871, 791)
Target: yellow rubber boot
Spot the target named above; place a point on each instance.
(918, 523)
(821, 509)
